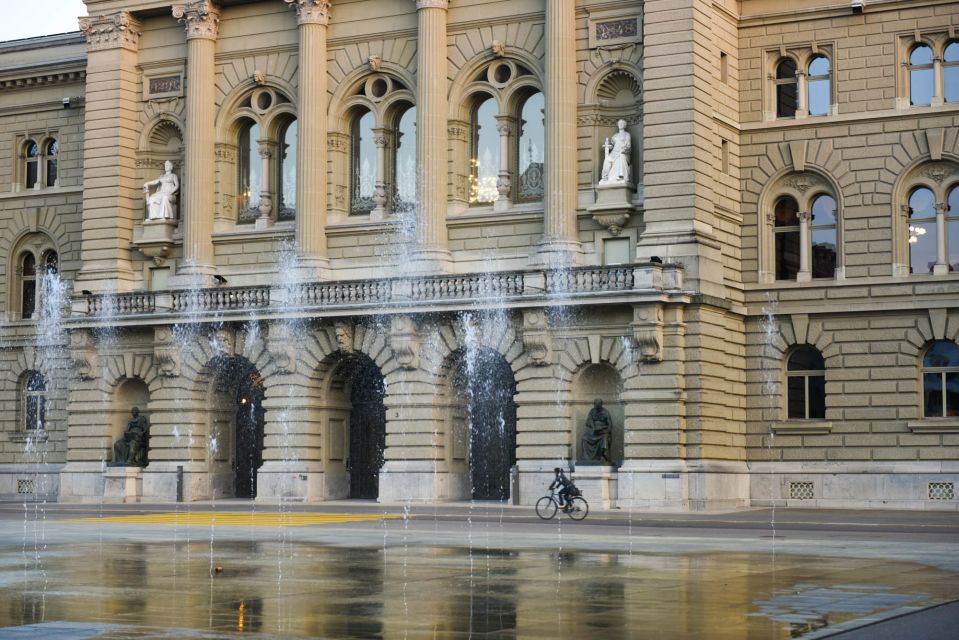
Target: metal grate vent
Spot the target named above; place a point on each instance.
(942, 491)
(801, 491)
(25, 485)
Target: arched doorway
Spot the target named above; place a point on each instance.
(483, 417)
(357, 425)
(236, 432)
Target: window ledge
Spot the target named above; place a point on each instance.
(31, 436)
(934, 425)
(802, 427)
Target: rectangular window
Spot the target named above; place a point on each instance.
(616, 251)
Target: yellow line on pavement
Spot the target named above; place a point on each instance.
(237, 519)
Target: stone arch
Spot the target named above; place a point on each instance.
(38, 244)
(342, 98)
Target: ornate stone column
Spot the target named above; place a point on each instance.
(381, 138)
(431, 252)
(313, 18)
(201, 19)
(802, 94)
(504, 125)
(559, 244)
(937, 88)
(805, 248)
(941, 268)
(112, 199)
(267, 152)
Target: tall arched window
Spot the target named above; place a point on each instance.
(818, 83)
(921, 72)
(940, 380)
(531, 148)
(287, 168)
(485, 153)
(52, 153)
(922, 230)
(950, 72)
(786, 231)
(824, 237)
(363, 161)
(249, 172)
(32, 170)
(28, 279)
(787, 94)
(805, 385)
(33, 401)
(404, 162)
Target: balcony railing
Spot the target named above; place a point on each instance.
(121, 304)
(479, 286)
(231, 299)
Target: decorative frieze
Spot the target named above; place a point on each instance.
(311, 11)
(201, 19)
(404, 341)
(113, 31)
(536, 337)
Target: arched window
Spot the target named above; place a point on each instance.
(805, 385)
(32, 170)
(28, 278)
(820, 94)
(52, 152)
(940, 380)
(786, 231)
(824, 237)
(287, 168)
(787, 94)
(249, 170)
(922, 231)
(363, 155)
(921, 75)
(530, 151)
(404, 162)
(952, 228)
(950, 73)
(485, 153)
(33, 401)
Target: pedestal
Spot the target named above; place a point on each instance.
(614, 204)
(122, 484)
(155, 238)
(599, 484)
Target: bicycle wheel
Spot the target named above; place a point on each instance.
(578, 508)
(546, 508)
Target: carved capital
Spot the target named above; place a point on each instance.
(336, 141)
(405, 341)
(201, 18)
(504, 125)
(803, 216)
(165, 352)
(281, 345)
(115, 31)
(942, 208)
(536, 337)
(344, 330)
(83, 353)
(266, 148)
(311, 11)
(432, 4)
(458, 130)
(648, 332)
(225, 152)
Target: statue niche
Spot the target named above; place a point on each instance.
(161, 203)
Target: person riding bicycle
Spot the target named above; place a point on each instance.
(566, 487)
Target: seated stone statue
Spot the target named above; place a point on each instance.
(130, 450)
(616, 169)
(161, 203)
(599, 427)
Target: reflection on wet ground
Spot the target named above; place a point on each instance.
(283, 588)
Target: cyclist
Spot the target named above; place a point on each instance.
(565, 485)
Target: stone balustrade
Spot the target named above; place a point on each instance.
(511, 286)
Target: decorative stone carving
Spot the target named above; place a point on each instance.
(498, 48)
(311, 11)
(375, 62)
(118, 30)
(161, 204)
(536, 337)
(225, 152)
(343, 330)
(282, 348)
(404, 340)
(201, 18)
(616, 167)
(83, 353)
(223, 341)
(259, 77)
(612, 221)
(458, 130)
(937, 172)
(648, 332)
(165, 352)
(801, 182)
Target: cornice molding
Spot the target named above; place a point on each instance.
(118, 30)
(69, 70)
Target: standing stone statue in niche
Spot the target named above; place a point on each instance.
(616, 169)
(596, 438)
(130, 450)
(162, 202)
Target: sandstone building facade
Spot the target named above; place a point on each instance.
(390, 270)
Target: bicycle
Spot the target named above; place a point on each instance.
(547, 506)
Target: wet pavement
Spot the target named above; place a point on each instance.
(68, 573)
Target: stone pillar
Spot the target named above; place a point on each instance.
(941, 268)
(504, 125)
(805, 248)
(802, 95)
(559, 244)
(112, 199)
(431, 251)
(313, 18)
(267, 151)
(381, 138)
(937, 89)
(201, 19)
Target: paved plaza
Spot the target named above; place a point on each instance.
(367, 570)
